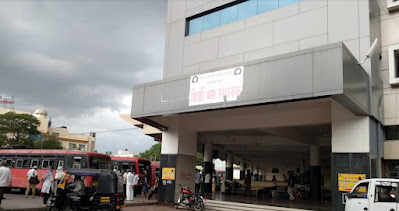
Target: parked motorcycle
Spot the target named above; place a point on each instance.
(190, 199)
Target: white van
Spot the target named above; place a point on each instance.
(379, 194)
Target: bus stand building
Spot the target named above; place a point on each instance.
(278, 87)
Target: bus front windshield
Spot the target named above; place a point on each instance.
(98, 162)
(144, 165)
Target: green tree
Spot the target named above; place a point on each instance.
(18, 129)
(200, 159)
(154, 151)
(48, 142)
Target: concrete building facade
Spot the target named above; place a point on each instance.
(278, 88)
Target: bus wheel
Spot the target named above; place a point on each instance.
(22, 190)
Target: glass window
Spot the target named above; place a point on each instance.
(386, 192)
(210, 21)
(267, 5)
(360, 191)
(20, 163)
(9, 163)
(61, 163)
(45, 163)
(82, 146)
(283, 3)
(228, 15)
(195, 25)
(247, 9)
(34, 163)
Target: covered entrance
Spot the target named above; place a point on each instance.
(313, 125)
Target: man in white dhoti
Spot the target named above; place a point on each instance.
(129, 186)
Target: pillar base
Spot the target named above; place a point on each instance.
(229, 173)
(184, 175)
(350, 163)
(315, 182)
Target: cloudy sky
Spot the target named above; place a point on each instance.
(79, 60)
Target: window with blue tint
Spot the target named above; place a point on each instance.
(195, 26)
(228, 15)
(283, 3)
(267, 5)
(231, 12)
(247, 9)
(210, 21)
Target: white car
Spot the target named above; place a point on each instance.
(379, 194)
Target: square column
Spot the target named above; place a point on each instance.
(354, 141)
(179, 147)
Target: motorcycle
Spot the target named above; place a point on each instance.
(190, 199)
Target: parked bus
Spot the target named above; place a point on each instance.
(155, 168)
(135, 164)
(21, 160)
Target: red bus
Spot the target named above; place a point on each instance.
(155, 167)
(20, 161)
(135, 164)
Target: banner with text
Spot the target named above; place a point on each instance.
(347, 181)
(216, 87)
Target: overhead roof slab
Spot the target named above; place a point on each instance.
(326, 71)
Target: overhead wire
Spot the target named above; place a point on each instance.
(115, 130)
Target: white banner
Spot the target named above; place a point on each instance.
(216, 87)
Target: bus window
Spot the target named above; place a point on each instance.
(20, 163)
(10, 163)
(76, 162)
(26, 164)
(115, 167)
(45, 163)
(34, 163)
(108, 167)
(60, 163)
(144, 165)
(52, 163)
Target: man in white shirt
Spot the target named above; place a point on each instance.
(5, 176)
(135, 181)
(31, 173)
(129, 186)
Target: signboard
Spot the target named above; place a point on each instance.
(216, 87)
(7, 101)
(347, 181)
(168, 173)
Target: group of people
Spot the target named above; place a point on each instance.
(50, 183)
(210, 183)
(131, 181)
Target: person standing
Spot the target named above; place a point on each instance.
(31, 173)
(124, 177)
(59, 188)
(46, 187)
(290, 188)
(208, 185)
(197, 180)
(135, 181)
(247, 183)
(129, 186)
(5, 176)
(144, 192)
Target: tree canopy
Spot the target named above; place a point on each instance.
(18, 129)
(155, 151)
(49, 142)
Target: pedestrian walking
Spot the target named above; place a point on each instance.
(197, 180)
(146, 184)
(46, 187)
(129, 186)
(32, 182)
(60, 183)
(5, 176)
(247, 182)
(208, 184)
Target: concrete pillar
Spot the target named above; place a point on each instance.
(179, 149)
(315, 173)
(354, 141)
(255, 172)
(242, 168)
(260, 177)
(208, 158)
(229, 166)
